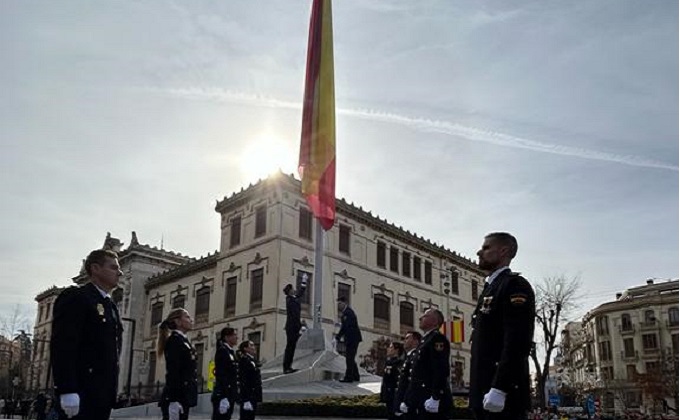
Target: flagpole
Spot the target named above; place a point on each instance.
(318, 275)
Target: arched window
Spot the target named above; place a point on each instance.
(406, 317)
(626, 324)
(156, 316)
(381, 312)
(179, 301)
(202, 305)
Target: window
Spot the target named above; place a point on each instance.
(48, 312)
(305, 229)
(628, 347)
(344, 290)
(40, 313)
(475, 292)
(151, 379)
(235, 234)
(200, 350)
(631, 372)
(417, 275)
(649, 342)
(406, 264)
(156, 316)
(633, 399)
(454, 282)
(602, 324)
(306, 297)
(260, 220)
(394, 259)
(406, 317)
(650, 319)
(653, 368)
(230, 298)
(202, 305)
(381, 312)
(626, 324)
(672, 316)
(607, 373)
(343, 246)
(178, 301)
(428, 272)
(256, 278)
(381, 255)
(605, 351)
(256, 338)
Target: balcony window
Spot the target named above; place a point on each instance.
(394, 259)
(650, 342)
(305, 224)
(256, 280)
(178, 301)
(406, 264)
(628, 347)
(626, 324)
(406, 317)
(673, 316)
(202, 305)
(344, 243)
(602, 325)
(475, 292)
(428, 272)
(230, 298)
(260, 221)
(381, 255)
(381, 312)
(235, 234)
(416, 268)
(156, 316)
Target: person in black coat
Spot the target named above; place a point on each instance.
(293, 323)
(249, 380)
(181, 378)
(350, 333)
(225, 391)
(86, 341)
(411, 342)
(502, 335)
(390, 380)
(429, 390)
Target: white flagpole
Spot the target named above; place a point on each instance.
(318, 275)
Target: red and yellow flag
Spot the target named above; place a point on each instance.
(317, 146)
(454, 330)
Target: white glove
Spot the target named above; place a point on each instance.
(70, 403)
(174, 410)
(403, 408)
(494, 400)
(431, 405)
(247, 406)
(224, 406)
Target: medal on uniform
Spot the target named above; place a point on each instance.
(439, 346)
(100, 310)
(486, 305)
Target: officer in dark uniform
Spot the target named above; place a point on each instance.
(429, 391)
(249, 380)
(390, 380)
(411, 342)
(293, 323)
(225, 391)
(86, 342)
(181, 378)
(350, 333)
(502, 336)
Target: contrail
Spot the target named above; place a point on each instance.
(428, 126)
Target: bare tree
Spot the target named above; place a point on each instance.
(12, 323)
(556, 298)
(661, 383)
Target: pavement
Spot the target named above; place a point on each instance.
(235, 417)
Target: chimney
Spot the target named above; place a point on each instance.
(618, 296)
(650, 282)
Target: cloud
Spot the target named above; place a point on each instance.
(425, 125)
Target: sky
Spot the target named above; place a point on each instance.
(556, 121)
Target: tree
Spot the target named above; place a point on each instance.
(662, 382)
(556, 298)
(11, 323)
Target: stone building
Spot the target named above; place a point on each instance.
(626, 351)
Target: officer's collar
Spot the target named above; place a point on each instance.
(493, 276)
(180, 333)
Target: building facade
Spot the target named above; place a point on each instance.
(626, 351)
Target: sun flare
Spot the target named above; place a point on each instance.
(266, 155)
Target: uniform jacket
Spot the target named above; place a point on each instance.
(430, 372)
(404, 378)
(249, 379)
(226, 374)
(390, 381)
(85, 345)
(181, 382)
(349, 330)
(502, 336)
(293, 309)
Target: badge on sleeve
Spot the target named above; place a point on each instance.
(439, 346)
(518, 299)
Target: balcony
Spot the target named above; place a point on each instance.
(630, 357)
(626, 329)
(652, 352)
(650, 324)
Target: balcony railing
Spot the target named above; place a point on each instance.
(626, 329)
(649, 324)
(630, 357)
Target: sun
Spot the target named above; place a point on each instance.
(265, 155)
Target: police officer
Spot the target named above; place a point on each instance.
(411, 342)
(350, 333)
(86, 341)
(503, 330)
(293, 323)
(249, 380)
(390, 380)
(429, 392)
(181, 378)
(225, 390)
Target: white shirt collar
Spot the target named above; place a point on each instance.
(180, 333)
(103, 293)
(408, 353)
(491, 277)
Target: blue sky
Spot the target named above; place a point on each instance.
(554, 120)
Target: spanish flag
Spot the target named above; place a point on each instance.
(317, 146)
(454, 331)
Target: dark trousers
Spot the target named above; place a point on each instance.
(351, 368)
(481, 414)
(216, 411)
(166, 414)
(248, 415)
(291, 342)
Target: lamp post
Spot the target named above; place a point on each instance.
(446, 283)
(132, 342)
